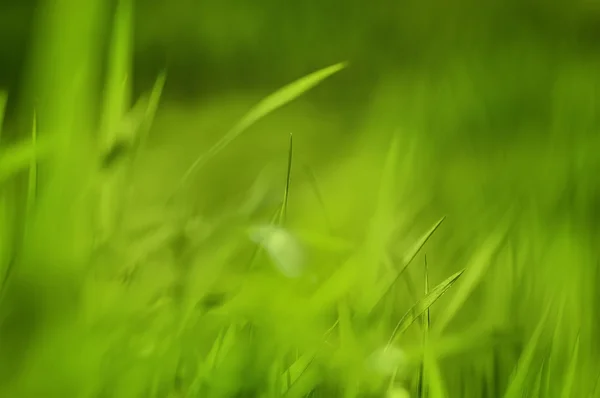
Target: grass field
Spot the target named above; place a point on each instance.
(278, 255)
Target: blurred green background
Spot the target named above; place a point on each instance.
(495, 111)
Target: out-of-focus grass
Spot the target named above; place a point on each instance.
(104, 297)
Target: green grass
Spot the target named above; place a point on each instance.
(323, 292)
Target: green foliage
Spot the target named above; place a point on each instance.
(268, 299)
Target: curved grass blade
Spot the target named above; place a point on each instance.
(421, 306)
(473, 275)
(406, 260)
(273, 102)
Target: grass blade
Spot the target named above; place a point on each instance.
(117, 92)
(32, 180)
(286, 193)
(422, 384)
(536, 389)
(20, 156)
(569, 381)
(420, 307)
(473, 275)
(432, 376)
(151, 108)
(519, 377)
(273, 102)
(406, 261)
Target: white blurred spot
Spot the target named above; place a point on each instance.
(397, 392)
(283, 248)
(387, 361)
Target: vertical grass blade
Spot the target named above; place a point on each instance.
(405, 262)
(33, 172)
(53, 255)
(423, 385)
(150, 109)
(421, 306)
(117, 97)
(288, 176)
(432, 375)
(117, 94)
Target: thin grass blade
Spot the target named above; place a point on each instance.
(405, 262)
(276, 100)
(420, 307)
(286, 193)
(33, 172)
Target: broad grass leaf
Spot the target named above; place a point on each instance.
(338, 285)
(473, 275)
(518, 379)
(432, 375)
(325, 242)
(421, 306)
(381, 226)
(18, 157)
(569, 382)
(452, 345)
(306, 383)
(274, 101)
(221, 346)
(296, 370)
(117, 91)
(553, 363)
